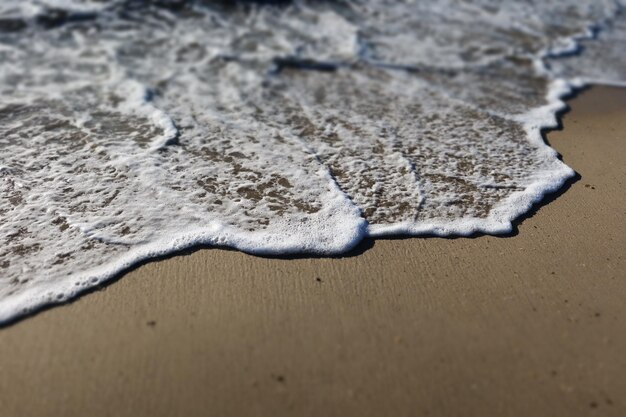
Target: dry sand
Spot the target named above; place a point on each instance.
(527, 325)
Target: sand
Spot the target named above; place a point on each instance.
(532, 324)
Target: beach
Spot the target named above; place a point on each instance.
(530, 324)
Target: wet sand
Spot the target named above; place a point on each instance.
(532, 324)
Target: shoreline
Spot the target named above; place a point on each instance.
(549, 117)
(526, 324)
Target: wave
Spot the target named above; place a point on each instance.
(132, 129)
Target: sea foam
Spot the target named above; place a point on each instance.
(131, 130)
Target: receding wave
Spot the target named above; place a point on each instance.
(131, 129)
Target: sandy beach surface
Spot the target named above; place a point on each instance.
(533, 324)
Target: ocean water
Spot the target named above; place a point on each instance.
(131, 129)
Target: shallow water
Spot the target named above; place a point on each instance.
(133, 129)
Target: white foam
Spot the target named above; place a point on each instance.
(273, 130)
